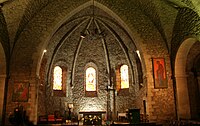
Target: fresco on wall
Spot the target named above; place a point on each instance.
(20, 92)
(159, 73)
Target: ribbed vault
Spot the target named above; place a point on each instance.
(97, 27)
(105, 43)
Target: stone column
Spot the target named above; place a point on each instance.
(2, 83)
(34, 99)
(198, 80)
(183, 105)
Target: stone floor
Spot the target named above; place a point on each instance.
(166, 123)
(113, 124)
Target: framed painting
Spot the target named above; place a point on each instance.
(159, 73)
(20, 92)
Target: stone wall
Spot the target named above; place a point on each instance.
(91, 50)
(160, 102)
(134, 27)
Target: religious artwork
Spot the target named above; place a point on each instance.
(20, 92)
(57, 78)
(124, 77)
(159, 73)
(90, 79)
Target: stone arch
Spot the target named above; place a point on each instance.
(64, 19)
(38, 55)
(181, 75)
(133, 34)
(2, 79)
(193, 70)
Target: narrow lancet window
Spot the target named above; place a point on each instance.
(90, 79)
(57, 78)
(124, 76)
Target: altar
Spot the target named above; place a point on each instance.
(92, 117)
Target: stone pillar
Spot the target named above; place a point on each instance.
(34, 99)
(198, 80)
(2, 83)
(183, 105)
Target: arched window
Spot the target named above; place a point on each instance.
(90, 79)
(57, 78)
(124, 77)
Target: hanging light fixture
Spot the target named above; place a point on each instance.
(94, 32)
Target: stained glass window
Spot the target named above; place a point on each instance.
(90, 79)
(57, 78)
(124, 76)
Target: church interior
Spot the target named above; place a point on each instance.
(99, 61)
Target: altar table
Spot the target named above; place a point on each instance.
(92, 117)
